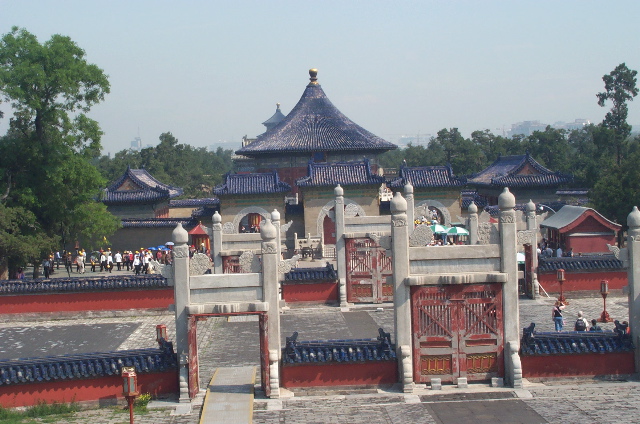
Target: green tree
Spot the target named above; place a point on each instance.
(620, 88)
(45, 156)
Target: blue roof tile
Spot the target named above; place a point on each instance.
(255, 183)
(349, 351)
(326, 273)
(91, 365)
(157, 222)
(427, 177)
(186, 203)
(138, 186)
(505, 172)
(315, 125)
(606, 262)
(343, 173)
(79, 284)
(574, 342)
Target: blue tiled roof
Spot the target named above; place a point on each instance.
(573, 342)
(186, 203)
(315, 125)
(157, 222)
(504, 172)
(326, 273)
(471, 196)
(343, 173)
(426, 176)
(76, 284)
(91, 365)
(581, 263)
(354, 350)
(255, 183)
(275, 119)
(143, 188)
(494, 210)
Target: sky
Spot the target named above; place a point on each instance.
(213, 71)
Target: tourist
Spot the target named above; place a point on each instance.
(103, 261)
(137, 263)
(557, 315)
(80, 263)
(581, 323)
(46, 267)
(118, 259)
(559, 252)
(594, 326)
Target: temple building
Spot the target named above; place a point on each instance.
(526, 178)
(149, 211)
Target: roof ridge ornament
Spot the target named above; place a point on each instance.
(313, 74)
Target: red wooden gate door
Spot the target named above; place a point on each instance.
(457, 332)
(192, 340)
(367, 270)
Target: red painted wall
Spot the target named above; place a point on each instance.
(103, 388)
(573, 365)
(311, 292)
(87, 301)
(345, 374)
(589, 244)
(577, 281)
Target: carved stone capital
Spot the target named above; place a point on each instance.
(180, 252)
(507, 218)
(269, 247)
(399, 222)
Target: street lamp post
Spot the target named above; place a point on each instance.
(130, 388)
(604, 291)
(561, 280)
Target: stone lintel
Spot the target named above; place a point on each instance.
(366, 234)
(458, 252)
(240, 252)
(221, 281)
(466, 278)
(226, 308)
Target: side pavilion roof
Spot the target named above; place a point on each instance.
(315, 125)
(569, 217)
(426, 177)
(518, 171)
(254, 183)
(343, 173)
(138, 186)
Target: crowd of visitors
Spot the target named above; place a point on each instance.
(547, 249)
(79, 262)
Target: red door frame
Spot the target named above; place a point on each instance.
(457, 331)
(194, 382)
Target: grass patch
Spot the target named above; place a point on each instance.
(41, 410)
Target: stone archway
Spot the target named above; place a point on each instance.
(351, 209)
(422, 209)
(232, 227)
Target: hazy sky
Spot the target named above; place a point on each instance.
(212, 71)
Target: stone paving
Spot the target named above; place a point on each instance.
(224, 342)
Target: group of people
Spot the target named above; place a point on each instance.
(581, 323)
(104, 260)
(546, 250)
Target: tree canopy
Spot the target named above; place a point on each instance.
(45, 155)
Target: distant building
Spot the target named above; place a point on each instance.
(527, 128)
(136, 144)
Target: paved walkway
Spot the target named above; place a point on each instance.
(229, 397)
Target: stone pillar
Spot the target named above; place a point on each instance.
(532, 226)
(341, 258)
(270, 280)
(408, 195)
(401, 295)
(216, 243)
(182, 300)
(275, 220)
(509, 265)
(633, 275)
(472, 223)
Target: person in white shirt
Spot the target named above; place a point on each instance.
(109, 261)
(118, 258)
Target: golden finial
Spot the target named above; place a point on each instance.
(313, 73)
(277, 106)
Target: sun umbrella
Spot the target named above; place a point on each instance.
(169, 243)
(520, 258)
(457, 231)
(437, 228)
